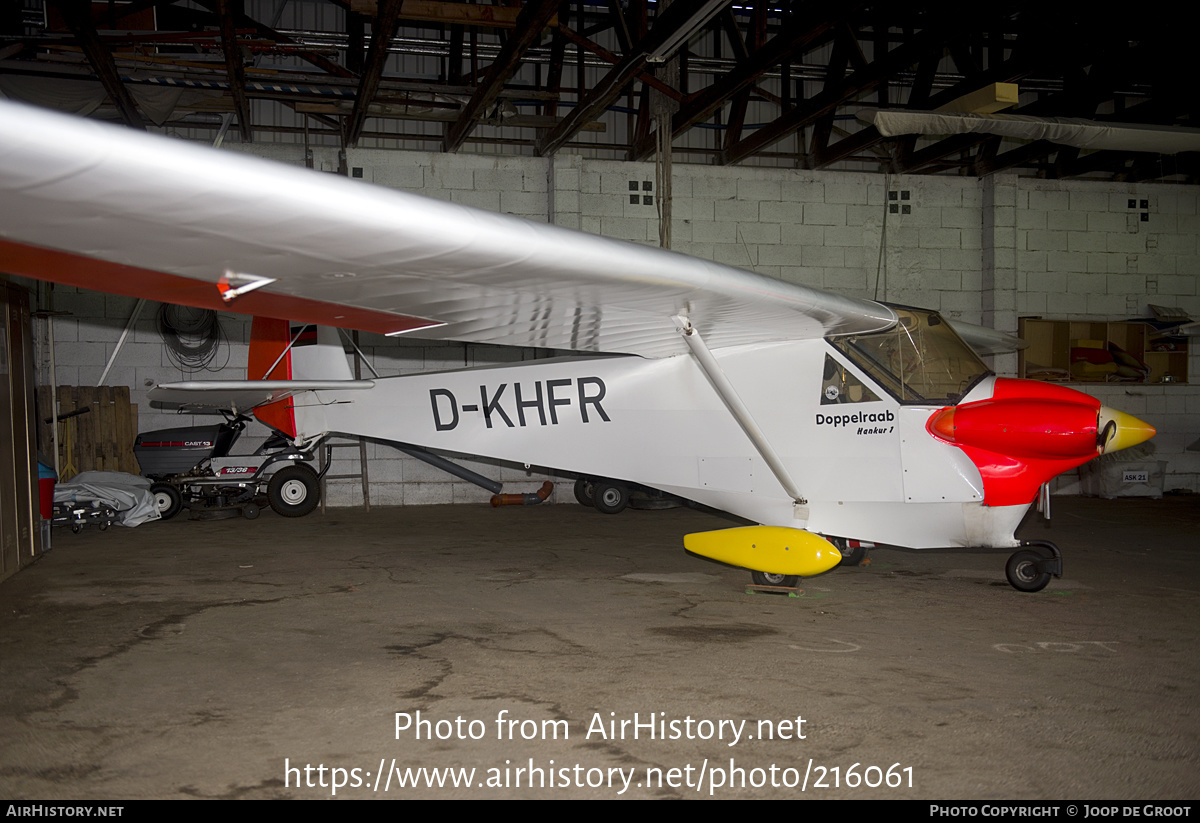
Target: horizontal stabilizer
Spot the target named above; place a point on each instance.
(243, 395)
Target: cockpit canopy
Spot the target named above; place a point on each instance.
(920, 360)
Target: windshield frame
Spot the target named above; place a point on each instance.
(920, 360)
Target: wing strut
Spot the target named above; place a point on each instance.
(729, 396)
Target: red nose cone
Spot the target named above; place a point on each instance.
(1022, 436)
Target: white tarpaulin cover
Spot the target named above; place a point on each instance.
(84, 96)
(128, 494)
(1069, 131)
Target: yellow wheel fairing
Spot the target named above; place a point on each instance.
(772, 549)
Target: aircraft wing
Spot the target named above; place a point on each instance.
(106, 208)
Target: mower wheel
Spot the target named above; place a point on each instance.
(167, 500)
(294, 491)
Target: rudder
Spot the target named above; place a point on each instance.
(281, 350)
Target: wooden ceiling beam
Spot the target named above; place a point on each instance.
(77, 14)
(620, 26)
(446, 14)
(263, 30)
(531, 23)
(863, 80)
(383, 31)
(613, 59)
(227, 11)
(1011, 71)
(673, 20)
(801, 34)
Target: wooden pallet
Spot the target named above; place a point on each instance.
(99, 440)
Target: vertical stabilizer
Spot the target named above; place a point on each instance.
(280, 350)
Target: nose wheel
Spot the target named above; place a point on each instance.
(1030, 569)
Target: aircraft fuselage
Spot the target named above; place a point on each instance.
(867, 468)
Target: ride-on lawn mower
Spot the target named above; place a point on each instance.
(193, 469)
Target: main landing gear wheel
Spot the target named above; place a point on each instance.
(294, 491)
(850, 556)
(1025, 571)
(610, 498)
(167, 500)
(585, 491)
(787, 581)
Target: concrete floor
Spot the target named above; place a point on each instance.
(205, 659)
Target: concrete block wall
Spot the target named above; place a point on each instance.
(821, 230)
(985, 251)
(1106, 251)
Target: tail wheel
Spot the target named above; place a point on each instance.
(788, 581)
(294, 491)
(167, 500)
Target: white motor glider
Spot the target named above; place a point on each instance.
(820, 417)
